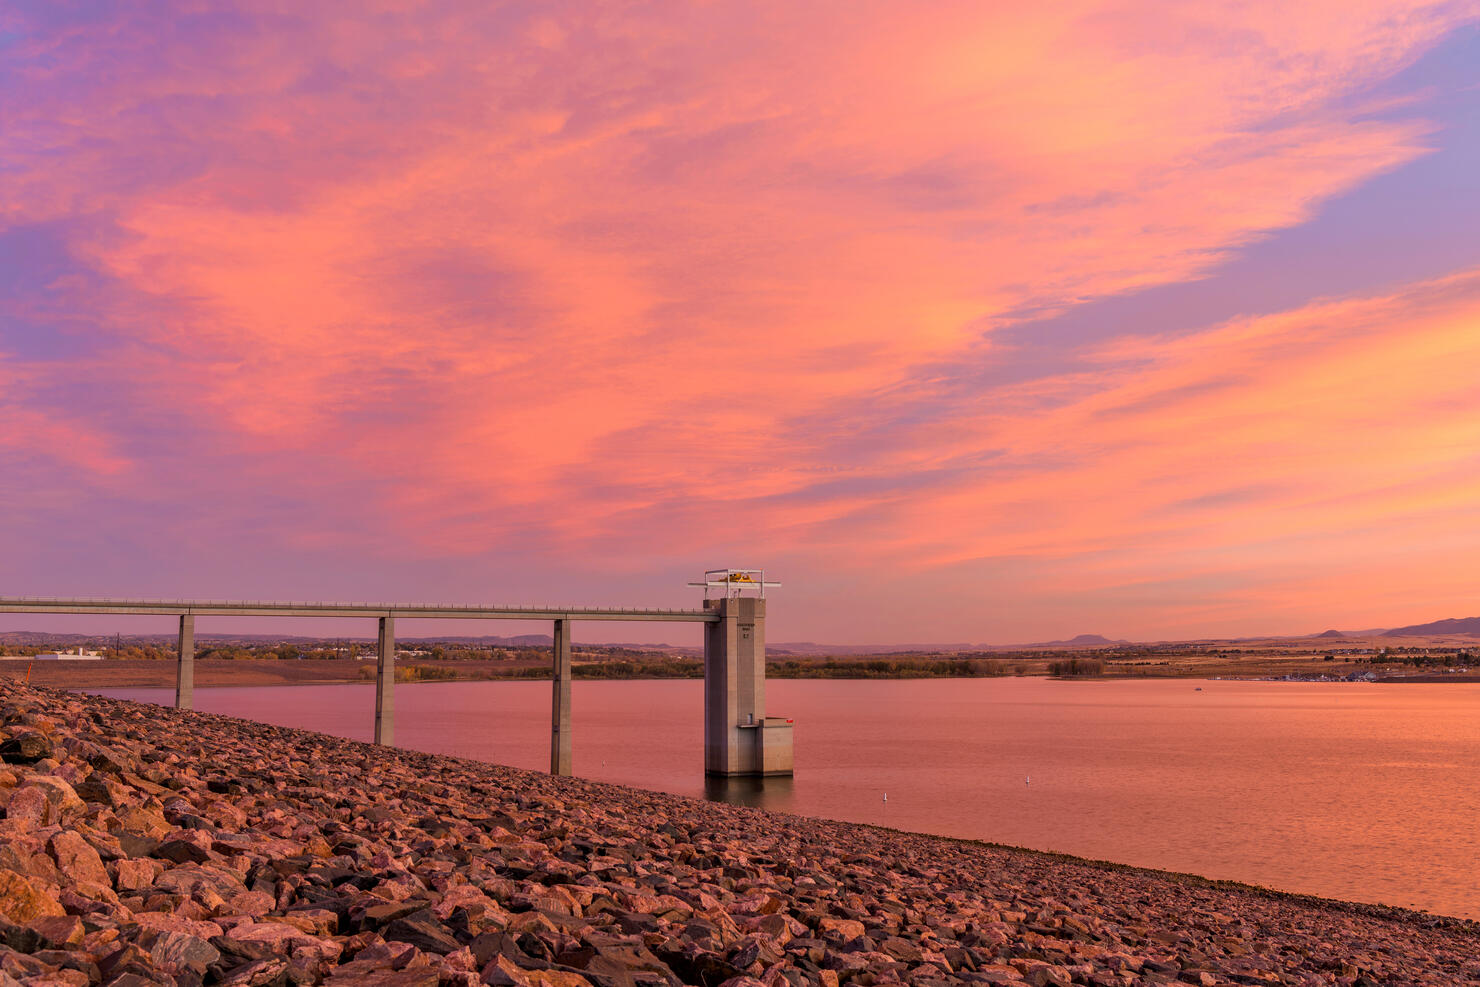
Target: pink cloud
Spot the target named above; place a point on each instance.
(606, 276)
(1331, 446)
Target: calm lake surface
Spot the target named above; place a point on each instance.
(1356, 791)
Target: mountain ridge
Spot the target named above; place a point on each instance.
(1449, 625)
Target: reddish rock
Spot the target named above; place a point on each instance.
(285, 940)
(77, 860)
(423, 931)
(177, 952)
(253, 904)
(395, 955)
(314, 921)
(996, 973)
(25, 747)
(145, 822)
(21, 900)
(61, 800)
(26, 855)
(58, 931)
(171, 922)
(27, 808)
(186, 878)
(846, 928)
(133, 875)
(257, 973)
(183, 851)
(503, 972)
(364, 974)
(555, 978)
(276, 936)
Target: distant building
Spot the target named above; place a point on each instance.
(78, 655)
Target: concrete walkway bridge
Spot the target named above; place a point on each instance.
(739, 739)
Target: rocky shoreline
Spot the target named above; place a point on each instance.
(141, 845)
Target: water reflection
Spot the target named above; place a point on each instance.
(1283, 784)
(755, 792)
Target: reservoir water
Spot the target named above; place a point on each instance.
(1355, 791)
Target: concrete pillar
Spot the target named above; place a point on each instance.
(560, 739)
(721, 706)
(185, 668)
(385, 683)
(738, 739)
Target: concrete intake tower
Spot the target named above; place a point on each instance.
(739, 738)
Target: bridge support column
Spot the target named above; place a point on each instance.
(738, 737)
(185, 668)
(385, 683)
(560, 738)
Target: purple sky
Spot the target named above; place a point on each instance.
(969, 324)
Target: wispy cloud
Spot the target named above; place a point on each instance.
(485, 277)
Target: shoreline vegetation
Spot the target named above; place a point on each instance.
(149, 845)
(153, 665)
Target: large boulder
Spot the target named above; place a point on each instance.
(25, 747)
(21, 900)
(186, 878)
(134, 875)
(282, 940)
(61, 799)
(179, 951)
(26, 810)
(423, 931)
(168, 922)
(77, 861)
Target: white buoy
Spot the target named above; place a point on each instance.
(886, 796)
(1028, 780)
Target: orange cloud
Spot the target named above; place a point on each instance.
(1319, 460)
(607, 276)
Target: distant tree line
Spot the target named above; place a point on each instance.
(1408, 656)
(827, 668)
(415, 673)
(1077, 666)
(889, 668)
(652, 668)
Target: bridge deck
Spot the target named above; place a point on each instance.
(265, 608)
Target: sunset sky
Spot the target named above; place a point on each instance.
(970, 322)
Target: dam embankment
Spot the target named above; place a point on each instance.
(143, 845)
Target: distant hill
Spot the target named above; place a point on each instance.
(1453, 625)
(1077, 641)
(1089, 639)
(33, 638)
(1332, 633)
